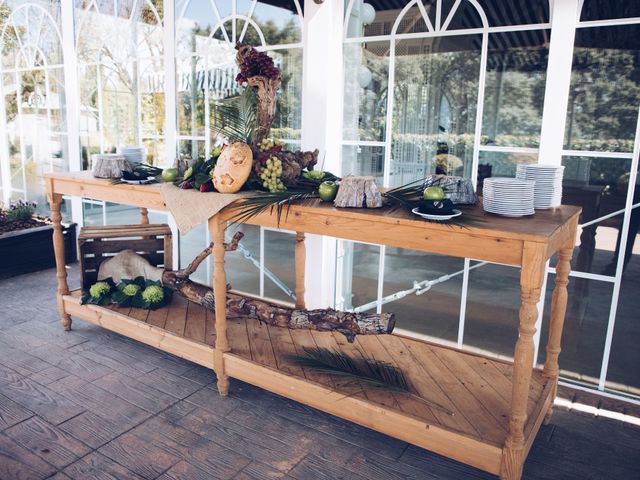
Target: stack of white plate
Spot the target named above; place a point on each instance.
(510, 197)
(135, 155)
(548, 188)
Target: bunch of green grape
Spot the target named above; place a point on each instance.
(268, 144)
(270, 175)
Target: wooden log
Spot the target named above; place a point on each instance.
(324, 320)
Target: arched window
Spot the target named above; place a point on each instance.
(206, 35)
(32, 120)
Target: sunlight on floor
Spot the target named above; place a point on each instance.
(598, 412)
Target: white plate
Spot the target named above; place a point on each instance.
(139, 182)
(439, 218)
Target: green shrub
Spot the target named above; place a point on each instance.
(21, 210)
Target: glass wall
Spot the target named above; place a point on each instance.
(439, 90)
(444, 87)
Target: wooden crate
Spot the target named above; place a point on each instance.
(96, 244)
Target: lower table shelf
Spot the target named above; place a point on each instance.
(475, 388)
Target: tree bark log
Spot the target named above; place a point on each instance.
(323, 320)
(266, 89)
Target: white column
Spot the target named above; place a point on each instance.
(72, 96)
(564, 18)
(322, 128)
(5, 167)
(170, 127)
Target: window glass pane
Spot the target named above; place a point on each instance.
(606, 9)
(92, 213)
(155, 151)
(623, 373)
(493, 302)
(191, 148)
(363, 160)
(279, 24)
(584, 331)
(514, 90)
(435, 97)
(599, 186)
(361, 286)
(605, 89)
(242, 273)
(191, 245)
(152, 98)
(515, 12)
(502, 164)
(288, 120)
(190, 99)
(465, 16)
(378, 18)
(279, 248)
(366, 73)
(435, 311)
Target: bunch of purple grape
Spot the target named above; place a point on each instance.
(253, 62)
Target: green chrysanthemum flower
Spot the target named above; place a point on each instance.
(153, 294)
(99, 289)
(131, 290)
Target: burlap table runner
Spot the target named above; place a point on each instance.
(191, 208)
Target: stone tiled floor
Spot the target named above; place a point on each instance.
(92, 404)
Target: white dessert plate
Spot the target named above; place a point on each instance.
(438, 218)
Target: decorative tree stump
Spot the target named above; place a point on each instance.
(109, 165)
(358, 192)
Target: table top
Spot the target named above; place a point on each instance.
(388, 225)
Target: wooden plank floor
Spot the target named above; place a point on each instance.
(92, 404)
(476, 389)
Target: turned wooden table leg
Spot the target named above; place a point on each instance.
(300, 259)
(55, 200)
(558, 311)
(216, 230)
(144, 216)
(531, 276)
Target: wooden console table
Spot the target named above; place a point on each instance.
(499, 406)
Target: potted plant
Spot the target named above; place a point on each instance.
(25, 240)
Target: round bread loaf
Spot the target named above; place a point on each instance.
(232, 168)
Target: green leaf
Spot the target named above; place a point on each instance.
(363, 371)
(235, 118)
(199, 179)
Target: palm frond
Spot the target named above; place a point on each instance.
(235, 118)
(280, 202)
(365, 371)
(408, 195)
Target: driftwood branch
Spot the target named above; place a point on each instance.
(324, 320)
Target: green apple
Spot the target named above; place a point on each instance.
(170, 174)
(328, 191)
(433, 193)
